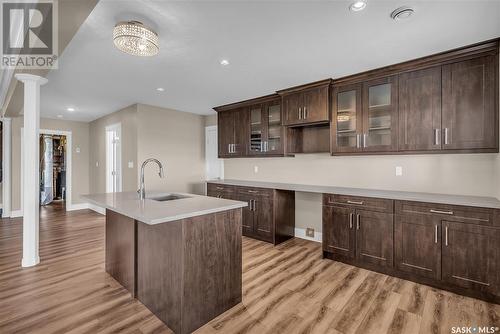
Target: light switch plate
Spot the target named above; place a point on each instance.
(130, 164)
(255, 169)
(399, 171)
(77, 150)
(97, 163)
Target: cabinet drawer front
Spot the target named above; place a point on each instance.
(368, 203)
(254, 191)
(466, 214)
(214, 187)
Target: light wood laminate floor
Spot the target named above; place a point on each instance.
(286, 289)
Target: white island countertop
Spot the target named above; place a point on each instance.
(154, 212)
(476, 201)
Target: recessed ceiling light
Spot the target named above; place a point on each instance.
(224, 62)
(160, 89)
(59, 116)
(358, 5)
(402, 13)
(70, 109)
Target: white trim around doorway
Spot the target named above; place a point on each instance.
(69, 167)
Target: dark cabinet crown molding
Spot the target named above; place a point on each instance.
(246, 103)
(299, 88)
(489, 47)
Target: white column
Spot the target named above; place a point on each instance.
(31, 172)
(6, 156)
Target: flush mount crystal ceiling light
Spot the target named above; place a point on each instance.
(135, 38)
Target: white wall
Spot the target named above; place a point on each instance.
(80, 160)
(177, 139)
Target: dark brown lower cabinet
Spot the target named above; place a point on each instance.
(338, 232)
(451, 247)
(352, 231)
(471, 256)
(270, 214)
(418, 245)
(374, 237)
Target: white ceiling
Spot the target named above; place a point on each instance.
(270, 46)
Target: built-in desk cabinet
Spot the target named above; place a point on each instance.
(451, 247)
(270, 214)
(359, 228)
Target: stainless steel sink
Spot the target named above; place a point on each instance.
(167, 197)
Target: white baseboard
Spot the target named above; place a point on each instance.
(82, 206)
(79, 206)
(97, 209)
(73, 207)
(301, 233)
(16, 213)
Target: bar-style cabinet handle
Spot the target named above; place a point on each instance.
(357, 221)
(436, 136)
(358, 136)
(441, 212)
(300, 113)
(365, 136)
(446, 236)
(351, 217)
(446, 136)
(435, 234)
(355, 202)
(305, 112)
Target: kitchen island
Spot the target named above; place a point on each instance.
(179, 254)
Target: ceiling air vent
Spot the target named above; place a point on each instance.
(402, 13)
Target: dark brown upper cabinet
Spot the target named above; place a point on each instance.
(308, 104)
(251, 128)
(365, 116)
(470, 104)
(380, 115)
(266, 131)
(347, 120)
(233, 128)
(420, 110)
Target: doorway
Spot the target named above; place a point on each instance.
(53, 167)
(113, 158)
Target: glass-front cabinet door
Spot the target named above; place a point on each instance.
(380, 115)
(274, 141)
(256, 129)
(347, 119)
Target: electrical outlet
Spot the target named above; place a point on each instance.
(255, 169)
(399, 171)
(310, 232)
(97, 163)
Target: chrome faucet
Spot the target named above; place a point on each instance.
(142, 190)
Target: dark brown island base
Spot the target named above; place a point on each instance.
(187, 271)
